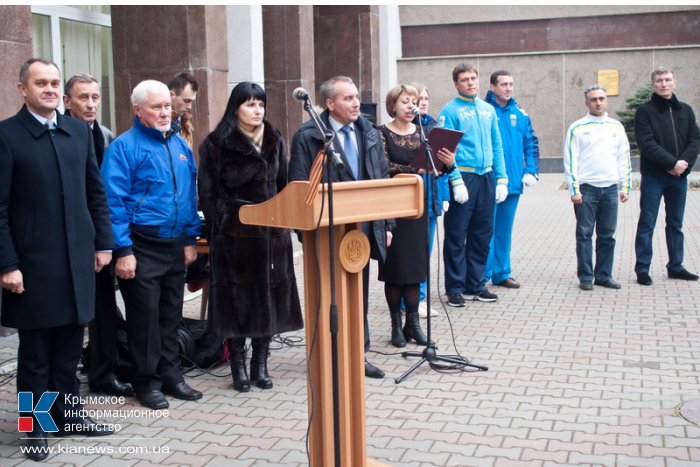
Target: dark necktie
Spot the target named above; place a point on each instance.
(351, 151)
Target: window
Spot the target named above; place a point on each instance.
(78, 39)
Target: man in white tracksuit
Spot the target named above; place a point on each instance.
(596, 167)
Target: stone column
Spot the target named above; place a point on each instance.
(288, 37)
(157, 42)
(347, 43)
(15, 49)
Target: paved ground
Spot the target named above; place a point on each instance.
(575, 378)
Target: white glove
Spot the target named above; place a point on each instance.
(445, 206)
(501, 193)
(530, 180)
(460, 194)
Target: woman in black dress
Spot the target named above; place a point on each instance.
(253, 290)
(405, 266)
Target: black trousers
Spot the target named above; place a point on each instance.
(47, 360)
(153, 301)
(103, 331)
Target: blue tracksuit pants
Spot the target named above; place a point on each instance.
(498, 264)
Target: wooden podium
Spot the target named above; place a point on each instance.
(353, 202)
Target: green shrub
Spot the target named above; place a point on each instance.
(627, 115)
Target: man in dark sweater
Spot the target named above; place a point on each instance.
(669, 139)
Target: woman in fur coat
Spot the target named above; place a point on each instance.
(253, 291)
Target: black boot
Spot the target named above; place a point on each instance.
(397, 337)
(413, 331)
(236, 356)
(258, 363)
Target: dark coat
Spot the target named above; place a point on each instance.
(53, 217)
(308, 141)
(666, 132)
(253, 291)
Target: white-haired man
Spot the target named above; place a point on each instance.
(149, 175)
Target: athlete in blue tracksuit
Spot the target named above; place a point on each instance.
(522, 154)
(479, 159)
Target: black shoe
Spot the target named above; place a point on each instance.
(455, 300)
(153, 399)
(239, 374)
(258, 363)
(85, 426)
(412, 330)
(397, 337)
(372, 371)
(585, 285)
(182, 391)
(113, 388)
(509, 283)
(683, 274)
(483, 296)
(643, 278)
(37, 448)
(608, 284)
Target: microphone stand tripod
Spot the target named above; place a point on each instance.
(332, 158)
(429, 353)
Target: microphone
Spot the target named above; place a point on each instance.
(416, 111)
(300, 94)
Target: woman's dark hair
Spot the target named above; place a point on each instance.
(243, 92)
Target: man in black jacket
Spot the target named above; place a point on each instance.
(668, 139)
(362, 153)
(82, 101)
(55, 234)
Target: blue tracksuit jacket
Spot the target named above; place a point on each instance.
(521, 149)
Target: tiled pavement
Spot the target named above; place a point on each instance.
(575, 378)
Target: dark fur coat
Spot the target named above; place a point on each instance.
(253, 290)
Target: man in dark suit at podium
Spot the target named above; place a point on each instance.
(362, 154)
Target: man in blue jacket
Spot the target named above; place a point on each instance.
(479, 159)
(150, 175)
(521, 153)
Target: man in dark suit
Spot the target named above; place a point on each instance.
(54, 235)
(363, 157)
(82, 101)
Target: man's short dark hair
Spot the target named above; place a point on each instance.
(461, 68)
(79, 77)
(181, 80)
(494, 76)
(24, 69)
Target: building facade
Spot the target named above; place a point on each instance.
(554, 52)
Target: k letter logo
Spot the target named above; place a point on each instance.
(25, 403)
